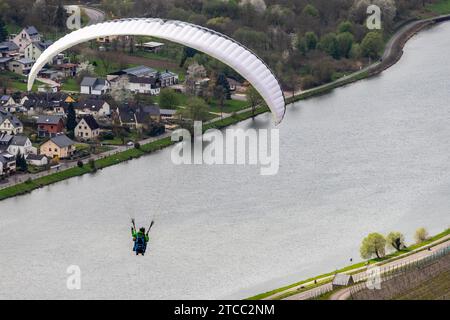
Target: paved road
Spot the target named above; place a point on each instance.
(345, 293)
(95, 15)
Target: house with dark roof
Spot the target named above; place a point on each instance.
(58, 147)
(94, 86)
(21, 144)
(7, 163)
(8, 49)
(34, 50)
(7, 101)
(49, 126)
(137, 117)
(95, 107)
(9, 123)
(87, 129)
(52, 103)
(25, 37)
(38, 160)
(21, 66)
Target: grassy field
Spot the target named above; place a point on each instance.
(16, 82)
(440, 7)
(70, 84)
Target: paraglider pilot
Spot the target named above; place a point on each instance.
(140, 238)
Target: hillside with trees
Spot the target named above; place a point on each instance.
(305, 42)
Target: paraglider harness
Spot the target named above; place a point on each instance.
(140, 241)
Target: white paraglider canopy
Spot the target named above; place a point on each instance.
(219, 46)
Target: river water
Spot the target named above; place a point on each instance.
(372, 156)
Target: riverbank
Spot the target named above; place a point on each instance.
(392, 54)
(315, 283)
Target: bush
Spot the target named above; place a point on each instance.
(80, 164)
(137, 145)
(421, 235)
(92, 164)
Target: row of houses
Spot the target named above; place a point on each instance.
(138, 79)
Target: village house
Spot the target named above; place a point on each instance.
(37, 160)
(137, 117)
(67, 70)
(151, 46)
(144, 85)
(97, 108)
(8, 49)
(87, 129)
(49, 126)
(21, 144)
(34, 50)
(4, 63)
(168, 79)
(21, 66)
(46, 103)
(6, 101)
(94, 86)
(7, 164)
(9, 123)
(26, 37)
(58, 147)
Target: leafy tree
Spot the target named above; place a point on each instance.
(254, 99)
(421, 235)
(329, 44)
(345, 26)
(3, 31)
(60, 17)
(168, 99)
(396, 240)
(71, 119)
(373, 245)
(187, 53)
(372, 45)
(220, 94)
(196, 109)
(301, 45)
(310, 10)
(21, 162)
(223, 82)
(345, 43)
(311, 40)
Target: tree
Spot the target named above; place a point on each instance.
(329, 44)
(373, 245)
(345, 26)
(254, 99)
(168, 99)
(345, 43)
(220, 95)
(311, 41)
(196, 109)
(3, 31)
(60, 18)
(421, 235)
(71, 119)
(372, 45)
(396, 240)
(223, 82)
(21, 162)
(310, 10)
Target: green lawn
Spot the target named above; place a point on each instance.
(440, 7)
(17, 82)
(70, 84)
(229, 106)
